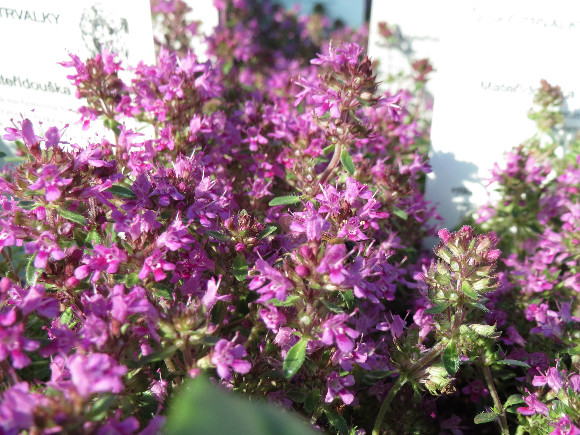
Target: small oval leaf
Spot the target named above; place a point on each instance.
(346, 161)
(312, 400)
(337, 421)
(468, 290)
(218, 236)
(284, 200)
(484, 417)
(514, 399)
(451, 358)
(267, 231)
(72, 216)
(122, 192)
(31, 272)
(295, 358)
(240, 267)
(401, 213)
(512, 362)
(437, 309)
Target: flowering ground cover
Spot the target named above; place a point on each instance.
(265, 245)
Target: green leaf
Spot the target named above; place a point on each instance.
(72, 216)
(347, 162)
(312, 400)
(348, 297)
(219, 236)
(514, 399)
(512, 362)
(437, 309)
(332, 307)
(162, 290)
(267, 231)
(402, 214)
(294, 358)
(240, 267)
(289, 302)
(28, 205)
(31, 271)
(101, 407)
(484, 417)
(132, 279)
(66, 317)
(122, 192)
(284, 200)
(93, 237)
(468, 290)
(451, 358)
(481, 307)
(375, 375)
(159, 355)
(337, 421)
(328, 149)
(483, 330)
(296, 396)
(15, 159)
(199, 409)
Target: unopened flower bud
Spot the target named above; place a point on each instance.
(240, 247)
(302, 271)
(444, 235)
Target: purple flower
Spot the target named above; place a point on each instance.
(337, 386)
(272, 317)
(227, 356)
(475, 390)
(211, 296)
(176, 237)
(328, 101)
(534, 405)
(102, 259)
(333, 263)
(565, 426)
(276, 288)
(26, 133)
(50, 179)
(309, 222)
(96, 373)
(13, 341)
(347, 54)
(156, 264)
(335, 331)
(18, 408)
(124, 305)
(52, 136)
(396, 326)
(44, 246)
(552, 377)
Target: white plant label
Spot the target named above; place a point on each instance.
(36, 35)
(487, 81)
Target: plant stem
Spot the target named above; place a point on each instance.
(333, 162)
(491, 386)
(401, 380)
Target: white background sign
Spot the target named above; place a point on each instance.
(419, 29)
(487, 80)
(37, 34)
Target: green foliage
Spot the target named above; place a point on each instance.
(202, 408)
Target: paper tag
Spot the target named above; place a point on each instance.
(350, 12)
(487, 81)
(208, 16)
(37, 34)
(415, 35)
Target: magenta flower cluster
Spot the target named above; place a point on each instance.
(267, 232)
